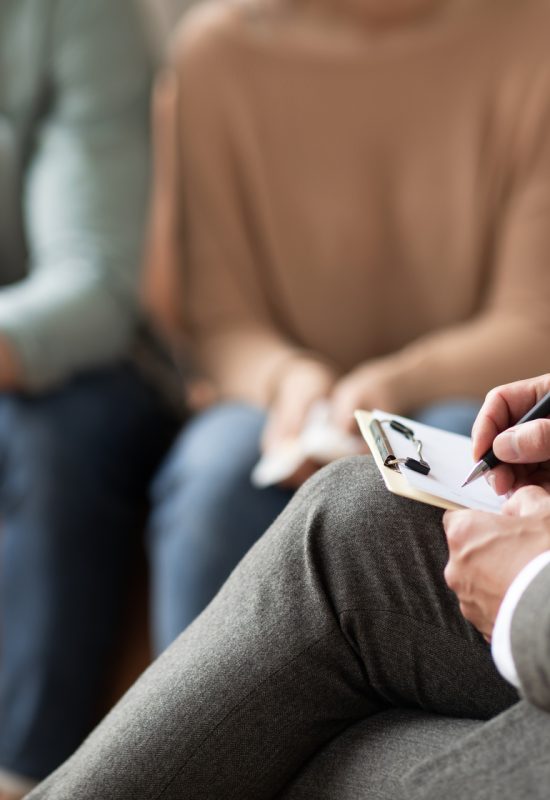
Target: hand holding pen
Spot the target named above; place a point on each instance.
(511, 436)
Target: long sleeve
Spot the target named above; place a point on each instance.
(311, 227)
(531, 640)
(508, 337)
(232, 329)
(85, 196)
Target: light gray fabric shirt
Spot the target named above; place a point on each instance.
(74, 171)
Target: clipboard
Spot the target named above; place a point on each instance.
(405, 483)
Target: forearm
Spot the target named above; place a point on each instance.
(247, 362)
(86, 205)
(466, 360)
(54, 328)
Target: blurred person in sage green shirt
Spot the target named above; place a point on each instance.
(81, 431)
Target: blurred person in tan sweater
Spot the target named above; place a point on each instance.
(352, 204)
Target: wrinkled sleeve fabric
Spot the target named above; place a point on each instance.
(85, 196)
(531, 640)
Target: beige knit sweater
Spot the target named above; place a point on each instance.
(385, 200)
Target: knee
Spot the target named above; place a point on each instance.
(348, 493)
(328, 515)
(352, 516)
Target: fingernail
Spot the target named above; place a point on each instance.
(508, 446)
(491, 480)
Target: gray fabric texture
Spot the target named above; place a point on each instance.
(531, 641)
(340, 612)
(368, 760)
(504, 759)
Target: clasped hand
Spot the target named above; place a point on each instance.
(306, 382)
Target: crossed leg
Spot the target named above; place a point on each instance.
(338, 613)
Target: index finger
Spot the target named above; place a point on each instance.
(503, 407)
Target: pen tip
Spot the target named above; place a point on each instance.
(477, 471)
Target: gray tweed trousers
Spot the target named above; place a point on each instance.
(333, 665)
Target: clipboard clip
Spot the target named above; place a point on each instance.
(389, 459)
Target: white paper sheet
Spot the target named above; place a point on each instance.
(320, 441)
(450, 458)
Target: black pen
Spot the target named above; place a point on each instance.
(489, 460)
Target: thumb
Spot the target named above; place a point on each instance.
(528, 443)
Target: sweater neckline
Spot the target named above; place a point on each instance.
(252, 30)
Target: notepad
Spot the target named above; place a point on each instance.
(449, 456)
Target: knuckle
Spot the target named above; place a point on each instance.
(520, 496)
(467, 611)
(529, 492)
(542, 431)
(492, 395)
(454, 537)
(451, 576)
(528, 499)
(456, 528)
(495, 397)
(512, 505)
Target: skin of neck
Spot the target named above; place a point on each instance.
(371, 13)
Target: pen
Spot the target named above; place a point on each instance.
(489, 460)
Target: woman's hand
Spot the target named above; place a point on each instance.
(303, 384)
(525, 448)
(369, 386)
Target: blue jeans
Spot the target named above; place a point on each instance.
(206, 514)
(75, 465)
(452, 415)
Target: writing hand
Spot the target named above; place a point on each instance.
(525, 449)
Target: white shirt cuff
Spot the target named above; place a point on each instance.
(501, 644)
